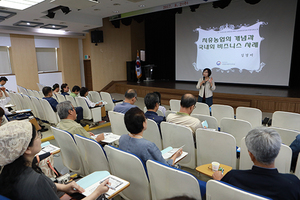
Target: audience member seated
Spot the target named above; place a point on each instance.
(47, 91)
(151, 101)
(83, 94)
(161, 108)
(64, 89)
(134, 142)
(3, 102)
(3, 81)
(67, 115)
(19, 178)
(187, 105)
(295, 146)
(130, 99)
(75, 91)
(55, 88)
(1, 116)
(263, 147)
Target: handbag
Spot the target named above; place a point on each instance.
(46, 163)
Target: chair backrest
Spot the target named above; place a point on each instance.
(175, 135)
(31, 93)
(87, 114)
(216, 190)
(215, 146)
(159, 112)
(41, 94)
(72, 100)
(29, 104)
(18, 100)
(129, 167)
(282, 161)
(37, 94)
(201, 108)
(252, 115)
(117, 123)
(287, 120)
(40, 113)
(41, 86)
(95, 96)
(236, 127)
(220, 111)
(92, 154)
(211, 121)
(167, 182)
(106, 97)
(60, 98)
(152, 133)
(287, 135)
(175, 105)
(51, 116)
(297, 169)
(168, 112)
(69, 152)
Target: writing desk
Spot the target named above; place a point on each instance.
(206, 169)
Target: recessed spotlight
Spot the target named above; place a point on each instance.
(142, 6)
(96, 9)
(36, 20)
(86, 26)
(116, 4)
(28, 23)
(115, 11)
(62, 22)
(53, 26)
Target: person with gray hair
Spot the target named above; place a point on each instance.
(263, 146)
(67, 114)
(128, 103)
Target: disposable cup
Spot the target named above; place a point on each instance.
(215, 166)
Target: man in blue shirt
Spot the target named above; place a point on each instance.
(151, 101)
(47, 91)
(130, 99)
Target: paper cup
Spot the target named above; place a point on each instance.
(215, 166)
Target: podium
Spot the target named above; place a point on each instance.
(148, 69)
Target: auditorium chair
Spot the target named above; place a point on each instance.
(252, 115)
(219, 111)
(129, 167)
(152, 133)
(282, 161)
(117, 123)
(236, 127)
(51, 116)
(287, 135)
(92, 154)
(215, 146)
(72, 100)
(201, 108)
(159, 112)
(167, 182)
(39, 108)
(31, 93)
(60, 98)
(175, 105)
(176, 135)
(95, 96)
(69, 151)
(217, 190)
(107, 98)
(211, 121)
(297, 169)
(287, 120)
(89, 113)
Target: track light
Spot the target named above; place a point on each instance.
(194, 7)
(50, 14)
(65, 10)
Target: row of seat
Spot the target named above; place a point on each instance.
(211, 145)
(153, 181)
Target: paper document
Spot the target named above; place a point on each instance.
(204, 124)
(108, 137)
(47, 147)
(168, 152)
(92, 181)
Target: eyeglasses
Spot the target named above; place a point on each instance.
(39, 134)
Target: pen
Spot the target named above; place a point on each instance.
(110, 187)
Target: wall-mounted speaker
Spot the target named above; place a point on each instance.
(97, 36)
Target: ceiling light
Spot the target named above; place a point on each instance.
(142, 6)
(6, 14)
(20, 4)
(28, 24)
(115, 11)
(116, 4)
(50, 31)
(54, 26)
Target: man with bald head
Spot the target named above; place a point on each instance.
(130, 99)
(187, 105)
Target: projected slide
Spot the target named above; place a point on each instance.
(230, 48)
(242, 43)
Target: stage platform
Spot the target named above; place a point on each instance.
(266, 98)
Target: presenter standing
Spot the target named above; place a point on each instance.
(206, 85)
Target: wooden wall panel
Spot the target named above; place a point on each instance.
(23, 60)
(69, 63)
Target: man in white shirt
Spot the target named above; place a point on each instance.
(4, 101)
(187, 105)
